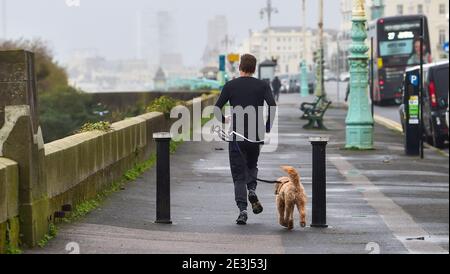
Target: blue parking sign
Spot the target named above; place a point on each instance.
(445, 47)
(414, 80)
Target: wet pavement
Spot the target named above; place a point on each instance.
(378, 200)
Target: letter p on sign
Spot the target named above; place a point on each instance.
(414, 80)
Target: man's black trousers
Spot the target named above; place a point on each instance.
(244, 169)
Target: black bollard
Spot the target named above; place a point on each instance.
(162, 177)
(319, 182)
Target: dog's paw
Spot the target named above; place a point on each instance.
(302, 224)
(290, 225)
(283, 223)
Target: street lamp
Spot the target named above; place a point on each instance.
(359, 122)
(269, 10)
(320, 89)
(303, 68)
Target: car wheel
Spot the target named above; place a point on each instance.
(428, 133)
(398, 101)
(438, 141)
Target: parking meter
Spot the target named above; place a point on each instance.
(411, 101)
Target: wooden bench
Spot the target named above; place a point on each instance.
(309, 108)
(316, 117)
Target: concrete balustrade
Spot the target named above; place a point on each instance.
(66, 171)
(80, 166)
(9, 204)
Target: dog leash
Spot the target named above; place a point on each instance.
(226, 138)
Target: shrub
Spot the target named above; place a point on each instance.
(100, 126)
(163, 104)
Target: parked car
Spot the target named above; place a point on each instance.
(284, 84)
(330, 76)
(292, 83)
(344, 77)
(435, 103)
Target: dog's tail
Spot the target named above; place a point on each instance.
(293, 175)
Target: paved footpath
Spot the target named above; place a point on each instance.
(377, 200)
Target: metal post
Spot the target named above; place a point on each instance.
(162, 177)
(321, 50)
(371, 77)
(319, 202)
(338, 71)
(421, 131)
(304, 90)
(320, 88)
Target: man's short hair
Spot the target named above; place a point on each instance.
(248, 63)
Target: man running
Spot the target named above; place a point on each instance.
(246, 94)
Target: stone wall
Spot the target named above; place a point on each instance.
(9, 204)
(123, 101)
(36, 180)
(21, 140)
(79, 167)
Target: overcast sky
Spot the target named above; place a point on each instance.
(110, 25)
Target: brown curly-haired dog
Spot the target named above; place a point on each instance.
(290, 193)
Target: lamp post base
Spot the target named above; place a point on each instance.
(359, 137)
(304, 90)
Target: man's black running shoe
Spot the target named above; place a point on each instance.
(256, 205)
(242, 219)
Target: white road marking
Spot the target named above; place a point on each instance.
(397, 220)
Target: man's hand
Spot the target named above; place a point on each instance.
(227, 119)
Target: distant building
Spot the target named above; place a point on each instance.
(217, 40)
(147, 41)
(289, 47)
(157, 39)
(437, 13)
(93, 73)
(169, 55)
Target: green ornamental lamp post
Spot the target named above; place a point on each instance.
(377, 9)
(359, 131)
(304, 79)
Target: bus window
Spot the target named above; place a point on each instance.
(402, 47)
